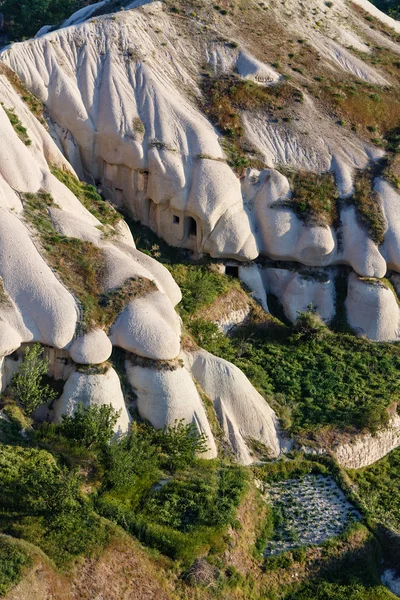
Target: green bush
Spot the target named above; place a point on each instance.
(41, 502)
(180, 445)
(27, 384)
(322, 590)
(89, 426)
(13, 560)
(280, 561)
(200, 286)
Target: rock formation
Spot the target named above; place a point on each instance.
(124, 112)
(120, 112)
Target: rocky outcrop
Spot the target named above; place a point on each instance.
(39, 301)
(373, 309)
(165, 395)
(91, 349)
(149, 327)
(243, 414)
(365, 449)
(121, 117)
(93, 390)
(124, 121)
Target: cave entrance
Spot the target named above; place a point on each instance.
(192, 227)
(232, 271)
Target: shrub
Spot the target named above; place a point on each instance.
(27, 385)
(200, 286)
(133, 458)
(41, 502)
(12, 562)
(280, 561)
(92, 425)
(180, 445)
(309, 326)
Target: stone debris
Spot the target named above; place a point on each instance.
(308, 511)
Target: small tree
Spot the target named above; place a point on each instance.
(309, 327)
(27, 385)
(92, 425)
(181, 444)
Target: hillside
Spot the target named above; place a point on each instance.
(200, 253)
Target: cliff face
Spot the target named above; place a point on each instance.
(73, 280)
(297, 185)
(132, 98)
(366, 449)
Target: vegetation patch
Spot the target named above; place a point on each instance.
(27, 384)
(313, 377)
(368, 207)
(315, 198)
(90, 198)
(35, 105)
(377, 487)
(392, 170)
(20, 130)
(156, 490)
(13, 562)
(40, 501)
(368, 109)
(224, 100)
(79, 264)
(200, 286)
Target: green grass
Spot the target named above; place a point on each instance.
(378, 487)
(332, 381)
(13, 562)
(20, 130)
(368, 207)
(315, 198)
(81, 267)
(87, 194)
